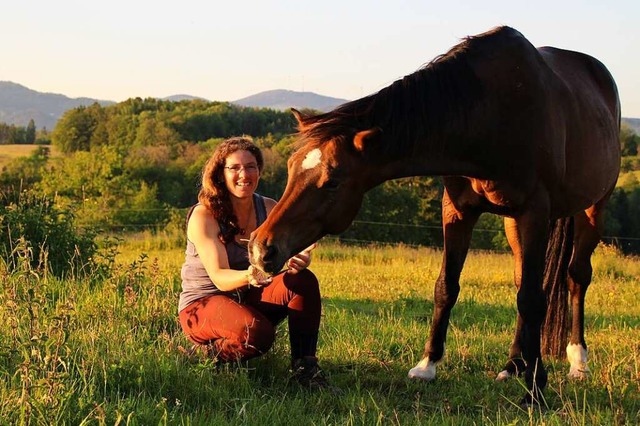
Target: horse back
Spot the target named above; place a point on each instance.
(545, 115)
(586, 78)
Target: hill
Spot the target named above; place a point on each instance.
(181, 97)
(285, 99)
(633, 123)
(19, 104)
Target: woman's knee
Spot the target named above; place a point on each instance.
(258, 338)
(255, 340)
(302, 281)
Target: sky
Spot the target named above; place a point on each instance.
(230, 49)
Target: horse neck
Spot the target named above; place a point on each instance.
(429, 154)
(431, 121)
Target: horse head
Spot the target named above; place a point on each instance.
(327, 179)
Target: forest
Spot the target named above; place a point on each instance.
(136, 164)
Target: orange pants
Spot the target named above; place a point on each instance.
(246, 329)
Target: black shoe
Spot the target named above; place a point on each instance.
(308, 374)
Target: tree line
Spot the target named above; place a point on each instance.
(12, 134)
(137, 164)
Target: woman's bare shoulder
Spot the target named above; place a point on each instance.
(269, 203)
(202, 219)
(201, 213)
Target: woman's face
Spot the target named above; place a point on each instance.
(241, 174)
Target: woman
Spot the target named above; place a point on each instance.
(225, 305)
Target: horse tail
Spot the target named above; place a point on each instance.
(555, 329)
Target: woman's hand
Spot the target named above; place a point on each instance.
(301, 261)
(257, 278)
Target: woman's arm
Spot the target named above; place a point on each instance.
(202, 231)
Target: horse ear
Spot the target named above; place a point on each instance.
(364, 137)
(299, 118)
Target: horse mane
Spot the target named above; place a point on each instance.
(435, 100)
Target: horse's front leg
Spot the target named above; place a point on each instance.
(532, 229)
(457, 227)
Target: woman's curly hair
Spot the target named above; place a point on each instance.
(214, 194)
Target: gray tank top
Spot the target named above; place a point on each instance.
(196, 283)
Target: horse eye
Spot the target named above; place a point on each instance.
(331, 184)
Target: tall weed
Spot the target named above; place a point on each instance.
(46, 231)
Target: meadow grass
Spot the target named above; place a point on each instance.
(12, 151)
(99, 350)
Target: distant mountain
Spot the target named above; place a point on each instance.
(633, 123)
(178, 98)
(19, 104)
(285, 99)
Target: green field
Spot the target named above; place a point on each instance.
(11, 152)
(106, 350)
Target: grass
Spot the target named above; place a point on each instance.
(13, 151)
(106, 351)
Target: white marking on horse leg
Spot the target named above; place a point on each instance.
(577, 356)
(312, 159)
(502, 376)
(425, 370)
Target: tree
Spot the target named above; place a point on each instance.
(153, 132)
(74, 130)
(30, 134)
(628, 141)
(12, 134)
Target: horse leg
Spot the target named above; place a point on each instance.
(515, 365)
(587, 231)
(532, 228)
(457, 227)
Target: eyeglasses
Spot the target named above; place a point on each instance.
(236, 168)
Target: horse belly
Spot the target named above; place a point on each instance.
(502, 197)
(592, 168)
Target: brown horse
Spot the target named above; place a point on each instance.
(529, 134)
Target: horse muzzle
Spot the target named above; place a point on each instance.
(265, 257)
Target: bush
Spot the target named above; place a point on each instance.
(32, 223)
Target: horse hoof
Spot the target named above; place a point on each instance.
(528, 403)
(577, 356)
(425, 370)
(579, 373)
(532, 400)
(503, 376)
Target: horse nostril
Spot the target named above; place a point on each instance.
(270, 254)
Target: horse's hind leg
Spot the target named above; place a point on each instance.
(587, 232)
(515, 365)
(458, 227)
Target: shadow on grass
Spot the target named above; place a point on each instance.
(373, 379)
(466, 314)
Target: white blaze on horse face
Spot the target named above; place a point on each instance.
(312, 159)
(255, 252)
